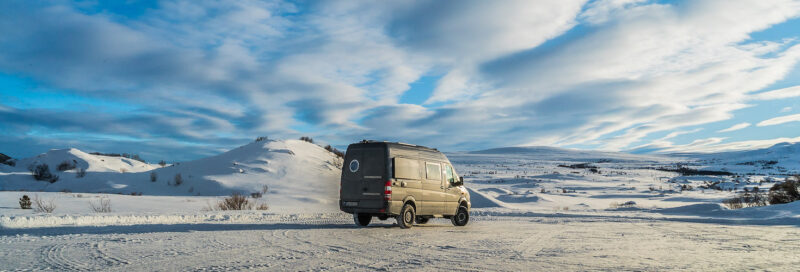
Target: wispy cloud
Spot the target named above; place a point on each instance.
(679, 133)
(735, 127)
(779, 120)
(717, 145)
(778, 94)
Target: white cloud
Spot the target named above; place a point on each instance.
(735, 127)
(779, 120)
(655, 68)
(476, 30)
(716, 145)
(789, 92)
(679, 133)
(786, 109)
(633, 69)
(600, 11)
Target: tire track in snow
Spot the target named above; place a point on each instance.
(53, 256)
(108, 258)
(290, 241)
(534, 244)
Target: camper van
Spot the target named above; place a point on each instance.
(410, 183)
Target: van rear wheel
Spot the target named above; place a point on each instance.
(461, 217)
(406, 218)
(362, 220)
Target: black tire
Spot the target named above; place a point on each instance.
(422, 220)
(406, 218)
(461, 218)
(362, 220)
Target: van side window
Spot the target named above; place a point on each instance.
(406, 168)
(448, 171)
(433, 171)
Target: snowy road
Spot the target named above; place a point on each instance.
(506, 243)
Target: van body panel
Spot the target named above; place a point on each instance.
(364, 177)
(417, 174)
(432, 195)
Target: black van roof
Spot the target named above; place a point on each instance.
(396, 148)
(396, 143)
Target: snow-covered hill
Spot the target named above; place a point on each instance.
(90, 162)
(779, 159)
(292, 170)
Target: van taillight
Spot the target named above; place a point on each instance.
(387, 191)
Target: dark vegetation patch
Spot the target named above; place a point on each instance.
(335, 151)
(589, 166)
(5, 159)
(25, 202)
(759, 162)
(307, 139)
(66, 165)
(780, 193)
(785, 192)
(754, 198)
(685, 171)
(42, 172)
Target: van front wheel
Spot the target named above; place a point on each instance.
(461, 217)
(362, 220)
(406, 218)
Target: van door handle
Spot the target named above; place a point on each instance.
(441, 187)
(403, 184)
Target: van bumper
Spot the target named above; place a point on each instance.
(368, 210)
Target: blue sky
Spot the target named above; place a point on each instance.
(180, 79)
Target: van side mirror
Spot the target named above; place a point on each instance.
(459, 182)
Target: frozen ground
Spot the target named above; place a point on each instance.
(489, 243)
(533, 209)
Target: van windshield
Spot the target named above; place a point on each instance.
(449, 173)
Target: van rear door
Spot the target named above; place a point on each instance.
(364, 176)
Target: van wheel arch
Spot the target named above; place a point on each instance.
(412, 203)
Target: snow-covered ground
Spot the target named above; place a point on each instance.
(533, 208)
(552, 242)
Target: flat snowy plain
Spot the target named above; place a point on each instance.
(505, 243)
(531, 211)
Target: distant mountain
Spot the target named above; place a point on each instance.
(564, 154)
(781, 158)
(292, 170)
(523, 150)
(781, 151)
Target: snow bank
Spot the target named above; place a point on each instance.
(238, 217)
(713, 210)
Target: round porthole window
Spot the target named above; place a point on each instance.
(353, 166)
